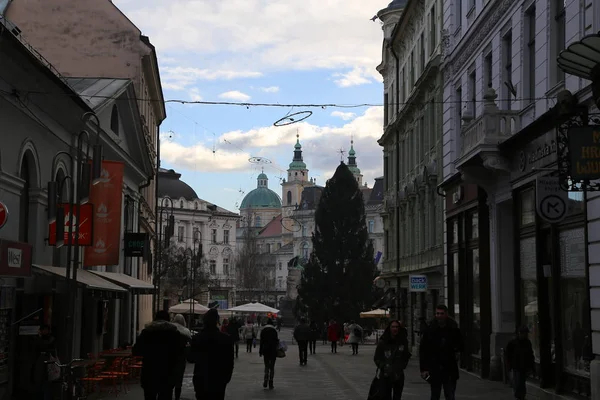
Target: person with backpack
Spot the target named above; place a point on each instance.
(355, 336)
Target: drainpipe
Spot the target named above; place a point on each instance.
(4, 6)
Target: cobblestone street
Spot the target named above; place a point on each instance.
(329, 376)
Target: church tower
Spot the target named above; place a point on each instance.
(297, 179)
(352, 166)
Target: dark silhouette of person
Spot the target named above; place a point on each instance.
(314, 336)
(213, 355)
(269, 346)
(391, 358)
(521, 360)
(302, 334)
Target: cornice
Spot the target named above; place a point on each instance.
(11, 184)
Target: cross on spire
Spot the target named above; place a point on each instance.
(342, 152)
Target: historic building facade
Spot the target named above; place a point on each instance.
(201, 228)
(507, 266)
(412, 209)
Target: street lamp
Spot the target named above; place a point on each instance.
(582, 59)
(164, 239)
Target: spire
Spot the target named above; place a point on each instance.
(298, 162)
(352, 159)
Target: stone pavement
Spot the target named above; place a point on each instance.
(328, 376)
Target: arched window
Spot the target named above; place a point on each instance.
(181, 204)
(258, 221)
(114, 119)
(289, 197)
(28, 174)
(305, 251)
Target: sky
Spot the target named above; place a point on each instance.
(264, 51)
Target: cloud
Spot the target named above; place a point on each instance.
(258, 35)
(195, 94)
(321, 147)
(179, 78)
(355, 77)
(235, 95)
(270, 89)
(346, 116)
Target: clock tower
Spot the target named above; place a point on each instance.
(292, 186)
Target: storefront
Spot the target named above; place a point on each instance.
(551, 282)
(467, 252)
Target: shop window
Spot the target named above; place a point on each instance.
(455, 231)
(476, 330)
(527, 207)
(474, 229)
(575, 311)
(529, 291)
(456, 267)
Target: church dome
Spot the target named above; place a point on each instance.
(169, 185)
(262, 196)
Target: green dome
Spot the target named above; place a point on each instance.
(262, 196)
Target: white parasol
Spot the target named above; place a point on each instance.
(379, 313)
(186, 306)
(254, 308)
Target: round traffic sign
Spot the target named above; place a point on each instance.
(3, 214)
(553, 208)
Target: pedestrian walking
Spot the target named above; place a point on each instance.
(521, 360)
(324, 332)
(161, 347)
(333, 335)
(233, 330)
(356, 334)
(302, 334)
(391, 358)
(225, 325)
(212, 354)
(314, 336)
(269, 346)
(179, 322)
(439, 352)
(44, 350)
(248, 333)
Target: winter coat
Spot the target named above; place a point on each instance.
(302, 333)
(269, 342)
(438, 349)
(392, 356)
(212, 354)
(182, 363)
(44, 348)
(314, 331)
(248, 331)
(233, 330)
(519, 355)
(162, 347)
(353, 338)
(333, 333)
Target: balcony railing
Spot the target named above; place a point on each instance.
(490, 128)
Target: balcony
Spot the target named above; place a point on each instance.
(480, 136)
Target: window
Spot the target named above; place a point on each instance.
(456, 267)
(422, 53)
(305, 251)
(411, 81)
(258, 221)
(473, 91)
(431, 121)
(527, 207)
(280, 266)
(289, 197)
(507, 69)
(213, 267)
(268, 247)
(180, 233)
(213, 236)
(403, 80)
(196, 234)
(385, 109)
(226, 266)
(458, 5)
(432, 31)
(476, 330)
(195, 206)
(529, 297)
(487, 70)
(371, 226)
(226, 236)
(181, 204)
(278, 246)
(558, 38)
(304, 233)
(471, 5)
(529, 77)
(474, 228)
(114, 119)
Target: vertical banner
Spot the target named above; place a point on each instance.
(107, 197)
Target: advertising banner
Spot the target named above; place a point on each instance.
(107, 197)
(15, 258)
(86, 212)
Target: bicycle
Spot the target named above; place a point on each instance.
(71, 386)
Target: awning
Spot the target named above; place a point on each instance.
(84, 278)
(134, 285)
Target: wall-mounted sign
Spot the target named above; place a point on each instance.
(15, 258)
(3, 214)
(86, 215)
(552, 201)
(418, 283)
(584, 152)
(135, 244)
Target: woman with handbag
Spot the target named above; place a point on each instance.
(391, 358)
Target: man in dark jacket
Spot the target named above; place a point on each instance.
(269, 346)
(302, 334)
(521, 361)
(439, 352)
(233, 330)
(212, 352)
(162, 347)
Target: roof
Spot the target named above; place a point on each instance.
(169, 185)
(97, 91)
(394, 5)
(262, 196)
(273, 228)
(288, 248)
(376, 196)
(366, 192)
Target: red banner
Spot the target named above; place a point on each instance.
(107, 197)
(86, 212)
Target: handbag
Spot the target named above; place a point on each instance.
(280, 353)
(375, 388)
(52, 369)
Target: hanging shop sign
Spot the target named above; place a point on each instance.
(3, 214)
(584, 152)
(86, 213)
(15, 258)
(418, 283)
(135, 244)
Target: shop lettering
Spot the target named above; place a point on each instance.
(14, 257)
(542, 152)
(584, 152)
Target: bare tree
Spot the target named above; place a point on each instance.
(183, 273)
(250, 264)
